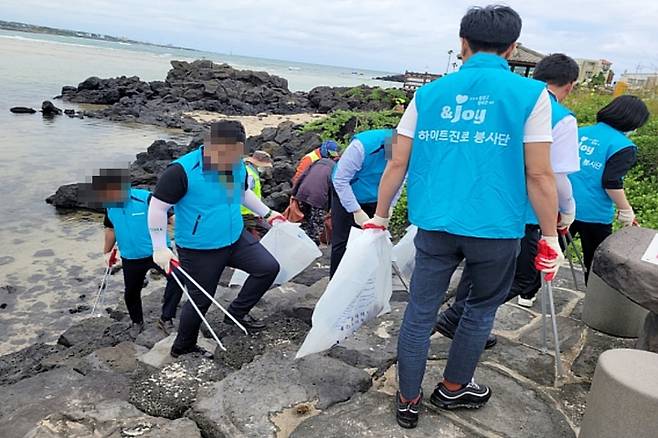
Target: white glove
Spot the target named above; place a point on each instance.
(360, 217)
(377, 221)
(116, 260)
(626, 217)
(565, 220)
(274, 216)
(163, 257)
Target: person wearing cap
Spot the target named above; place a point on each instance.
(208, 186)
(328, 149)
(125, 224)
(476, 146)
(255, 163)
(354, 187)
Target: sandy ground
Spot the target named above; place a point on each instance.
(255, 124)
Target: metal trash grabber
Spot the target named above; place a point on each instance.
(203, 318)
(399, 274)
(563, 239)
(176, 265)
(548, 295)
(576, 251)
(106, 275)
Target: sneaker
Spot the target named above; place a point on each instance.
(526, 302)
(166, 326)
(407, 412)
(471, 396)
(247, 321)
(447, 330)
(176, 352)
(135, 329)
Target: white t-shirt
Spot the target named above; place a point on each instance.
(564, 150)
(537, 128)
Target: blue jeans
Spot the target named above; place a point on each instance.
(490, 263)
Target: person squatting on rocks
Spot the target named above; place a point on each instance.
(328, 149)
(313, 192)
(476, 144)
(255, 164)
(560, 73)
(126, 225)
(207, 187)
(606, 155)
(355, 183)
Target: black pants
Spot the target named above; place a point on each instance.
(527, 279)
(134, 272)
(342, 221)
(591, 235)
(206, 267)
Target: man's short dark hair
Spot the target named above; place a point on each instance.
(557, 69)
(624, 113)
(227, 131)
(110, 178)
(491, 29)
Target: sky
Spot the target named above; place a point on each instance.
(388, 35)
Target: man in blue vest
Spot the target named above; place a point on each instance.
(208, 186)
(476, 145)
(126, 225)
(355, 185)
(560, 73)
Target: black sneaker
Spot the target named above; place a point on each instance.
(166, 326)
(175, 352)
(135, 329)
(407, 412)
(471, 396)
(247, 321)
(448, 330)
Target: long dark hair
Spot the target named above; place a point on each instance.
(624, 113)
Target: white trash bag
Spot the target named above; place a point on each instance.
(290, 246)
(359, 291)
(404, 253)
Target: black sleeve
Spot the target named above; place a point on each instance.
(617, 167)
(107, 223)
(172, 184)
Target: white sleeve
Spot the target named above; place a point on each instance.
(253, 203)
(566, 202)
(157, 220)
(538, 126)
(564, 150)
(407, 125)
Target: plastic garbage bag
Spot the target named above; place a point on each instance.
(404, 253)
(359, 291)
(290, 246)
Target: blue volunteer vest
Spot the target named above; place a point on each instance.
(208, 216)
(597, 144)
(365, 183)
(467, 167)
(130, 223)
(558, 113)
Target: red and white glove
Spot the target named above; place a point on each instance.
(111, 257)
(549, 257)
(273, 216)
(163, 257)
(626, 218)
(376, 222)
(564, 221)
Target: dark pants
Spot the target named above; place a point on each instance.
(591, 236)
(206, 267)
(342, 222)
(490, 265)
(134, 272)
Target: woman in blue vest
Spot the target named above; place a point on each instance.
(126, 225)
(208, 186)
(355, 184)
(606, 155)
(476, 146)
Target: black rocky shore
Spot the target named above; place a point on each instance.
(205, 86)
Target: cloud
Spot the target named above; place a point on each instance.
(386, 34)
